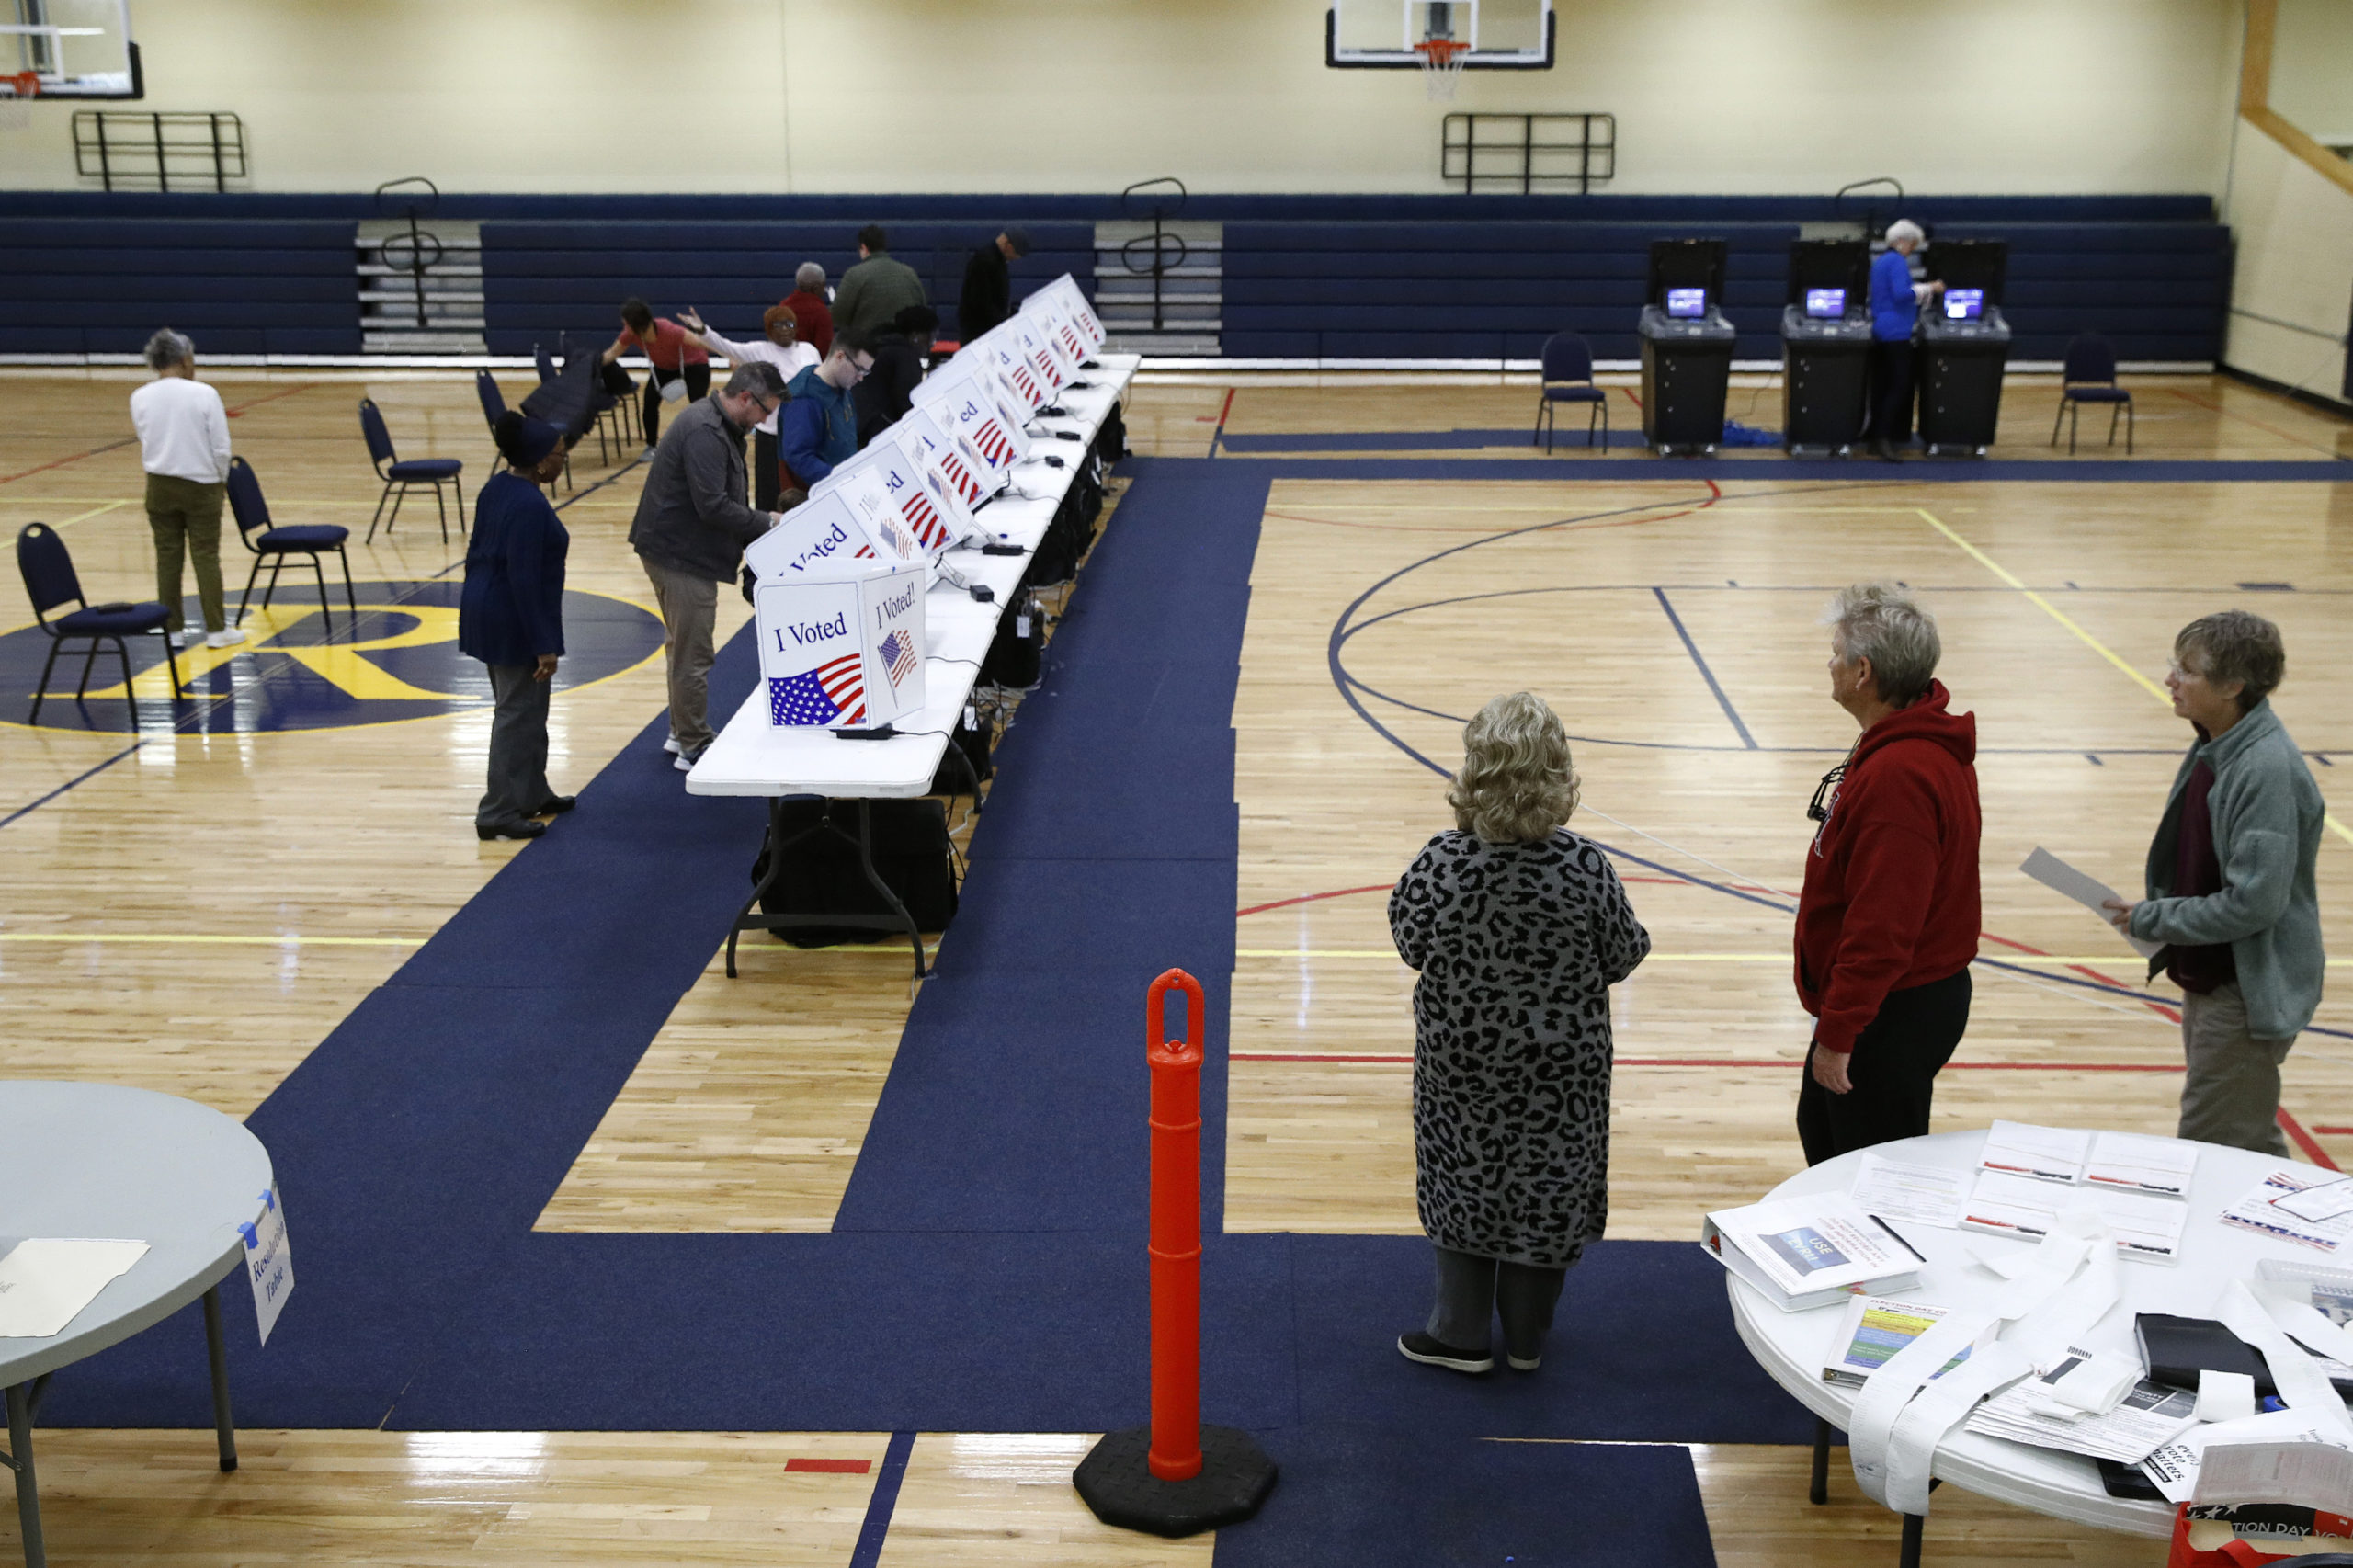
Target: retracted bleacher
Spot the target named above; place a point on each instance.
(238, 285)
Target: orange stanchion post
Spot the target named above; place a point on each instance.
(1176, 1477)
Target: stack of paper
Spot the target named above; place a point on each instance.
(47, 1280)
(1875, 1328)
(2147, 1228)
(2026, 1412)
(1810, 1252)
(2174, 1467)
(2046, 1154)
(2300, 1204)
(1926, 1195)
(2161, 1166)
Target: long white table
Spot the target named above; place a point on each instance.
(752, 756)
(1792, 1347)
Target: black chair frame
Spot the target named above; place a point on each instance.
(2070, 410)
(1546, 419)
(57, 640)
(275, 555)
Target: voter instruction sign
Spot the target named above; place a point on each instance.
(269, 1261)
(842, 655)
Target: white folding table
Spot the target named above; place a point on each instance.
(752, 756)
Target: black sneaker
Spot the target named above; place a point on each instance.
(525, 829)
(1419, 1346)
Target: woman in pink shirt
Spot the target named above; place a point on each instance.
(676, 356)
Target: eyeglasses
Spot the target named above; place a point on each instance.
(1818, 809)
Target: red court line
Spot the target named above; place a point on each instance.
(128, 440)
(2172, 1015)
(273, 397)
(2335, 1131)
(2305, 1141)
(831, 1467)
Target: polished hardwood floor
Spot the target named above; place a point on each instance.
(278, 876)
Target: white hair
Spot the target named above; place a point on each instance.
(1904, 229)
(1884, 623)
(168, 348)
(809, 278)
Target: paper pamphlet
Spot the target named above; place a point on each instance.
(2138, 1164)
(1874, 1329)
(2046, 1154)
(2260, 1211)
(2061, 878)
(2150, 1417)
(1926, 1195)
(2149, 1229)
(2172, 1467)
(2325, 1201)
(45, 1282)
(1811, 1247)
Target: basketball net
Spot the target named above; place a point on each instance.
(1442, 66)
(26, 84)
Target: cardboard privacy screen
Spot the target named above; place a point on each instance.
(918, 499)
(946, 459)
(842, 655)
(849, 530)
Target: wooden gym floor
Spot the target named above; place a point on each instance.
(274, 878)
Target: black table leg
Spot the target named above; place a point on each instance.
(24, 1404)
(1912, 1524)
(224, 1428)
(775, 848)
(899, 919)
(1819, 1491)
(865, 861)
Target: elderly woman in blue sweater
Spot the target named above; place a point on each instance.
(511, 617)
(1895, 311)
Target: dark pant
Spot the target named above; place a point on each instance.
(1890, 392)
(765, 478)
(1472, 1289)
(518, 748)
(1893, 1069)
(698, 379)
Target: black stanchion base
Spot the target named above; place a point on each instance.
(1234, 1480)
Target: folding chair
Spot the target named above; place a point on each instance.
(400, 478)
(46, 567)
(1568, 378)
(2090, 377)
(275, 544)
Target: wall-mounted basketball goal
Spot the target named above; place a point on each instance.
(1442, 39)
(68, 49)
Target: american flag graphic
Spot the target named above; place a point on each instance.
(1045, 363)
(835, 689)
(1070, 341)
(1028, 385)
(960, 477)
(1094, 327)
(923, 519)
(898, 653)
(993, 443)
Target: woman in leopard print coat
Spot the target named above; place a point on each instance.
(1519, 927)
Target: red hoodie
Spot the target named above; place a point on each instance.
(1891, 883)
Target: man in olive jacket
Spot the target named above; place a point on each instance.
(873, 292)
(690, 531)
(2231, 889)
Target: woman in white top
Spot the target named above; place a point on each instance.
(782, 349)
(184, 446)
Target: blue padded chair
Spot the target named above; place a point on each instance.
(49, 581)
(493, 408)
(602, 403)
(400, 478)
(2090, 377)
(1568, 378)
(275, 545)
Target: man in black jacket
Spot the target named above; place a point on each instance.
(889, 389)
(987, 298)
(690, 531)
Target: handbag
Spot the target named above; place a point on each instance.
(674, 390)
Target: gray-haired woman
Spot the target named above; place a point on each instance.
(1519, 927)
(184, 446)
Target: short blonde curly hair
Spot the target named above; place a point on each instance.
(1517, 784)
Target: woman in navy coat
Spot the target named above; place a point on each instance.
(511, 617)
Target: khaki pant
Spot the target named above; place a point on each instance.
(2231, 1095)
(689, 606)
(186, 519)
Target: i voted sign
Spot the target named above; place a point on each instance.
(878, 513)
(946, 457)
(1003, 351)
(842, 655)
(1052, 311)
(966, 404)
(269, 1261)
(1041, 354)
(919, 502)
(830, 539)
(1073, 299)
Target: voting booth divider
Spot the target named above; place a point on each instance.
(845, 653)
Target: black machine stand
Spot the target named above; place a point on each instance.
(1826, 376)
(1686, 361)
(1961, 361)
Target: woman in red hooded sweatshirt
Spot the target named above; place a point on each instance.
(1887, 923)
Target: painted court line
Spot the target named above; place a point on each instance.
(191, 938)
(884, 1502)
(1706, 673)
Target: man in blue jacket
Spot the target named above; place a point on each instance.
(818, 429)
(1895, 308)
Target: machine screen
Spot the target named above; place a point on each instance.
(1964, 304)
(1687, 303)
(1825, 304)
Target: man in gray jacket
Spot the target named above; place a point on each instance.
(690, 531)
(2230, 890)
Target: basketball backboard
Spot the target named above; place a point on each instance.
(1395, 35)
(68, 49)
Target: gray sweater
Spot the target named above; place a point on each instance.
(2266, 813)
(691, 516)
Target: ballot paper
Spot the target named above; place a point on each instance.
(45, 1282)
(2133, 1162)
(2090, 891)
(2045, 1153)
(2148, 1229)
(2172, 1467)
(2259, 1209)
(1926, 1195)
(2325, 1201)
(1875, 1328)
(2150, 1417)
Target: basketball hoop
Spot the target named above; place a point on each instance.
(1442, 66)
(25, 83)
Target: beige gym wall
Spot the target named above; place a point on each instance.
(1712, 96)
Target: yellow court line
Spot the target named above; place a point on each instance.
(196, 939)
(2093, 643)
(91, 513)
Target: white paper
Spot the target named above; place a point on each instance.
(45, 1282)
(2149, 1229)
(2301, 1475)
(2173, 1468)
(2090, 891)
(2325, 1201)
(2046, 1154)
(2130, 1161)
(2260, 1211)
(269, 1261)
(1926, 1195)
(2150, 1417)
(2225, 1396)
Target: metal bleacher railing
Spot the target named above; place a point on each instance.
(136, 150)
(1529, 153)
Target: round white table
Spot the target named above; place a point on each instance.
(1792, 1347)
(104, 1161)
